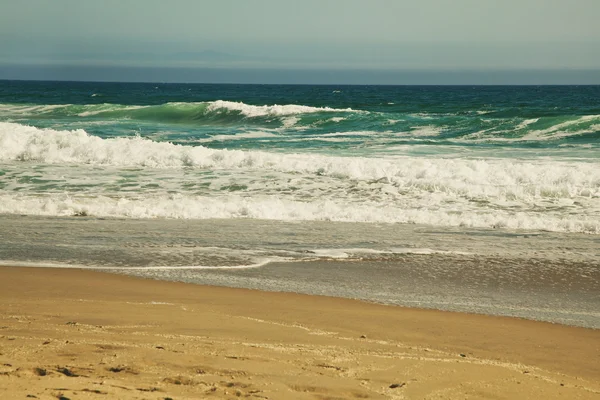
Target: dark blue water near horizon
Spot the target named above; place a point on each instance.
(533, 100)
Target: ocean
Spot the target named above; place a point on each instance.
(466, 198)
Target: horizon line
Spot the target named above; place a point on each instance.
(300, 76)
(298, 84)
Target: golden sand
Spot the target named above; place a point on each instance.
(71, 334)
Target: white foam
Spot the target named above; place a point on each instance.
(428, 130)
(542, 135)
(331, 253)
(526, 123)
(133, 268)
(557, 131)
(270, 110)
(422, 115)
(276, 208)
(491, 178)
(359, 252)
(27, 109)
(541, 194)
(425, 251)
(353, 133)
(239, 136)
(103, 108)
(290, 121)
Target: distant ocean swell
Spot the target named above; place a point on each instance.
(482, 126)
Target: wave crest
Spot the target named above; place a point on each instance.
(471, 180)
(168, 112)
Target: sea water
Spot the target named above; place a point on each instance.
(205, 183)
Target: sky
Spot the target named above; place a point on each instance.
(106, 40)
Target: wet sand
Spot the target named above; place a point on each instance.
(87, 335)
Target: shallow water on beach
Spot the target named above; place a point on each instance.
(545, 276)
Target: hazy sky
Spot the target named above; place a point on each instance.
(303, 34)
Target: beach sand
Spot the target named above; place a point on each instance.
(74, 334)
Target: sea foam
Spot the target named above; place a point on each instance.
(275, 208)
(469, 177)
(272, 110)
(541, 194)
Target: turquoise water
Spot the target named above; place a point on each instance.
(307, 118)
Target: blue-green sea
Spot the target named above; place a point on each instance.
(515, 157)
(471, 198)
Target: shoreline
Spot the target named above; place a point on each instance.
(188, 339)
(546, 276)
(220, 277)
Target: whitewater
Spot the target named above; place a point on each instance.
(493, 157)
(71, 172)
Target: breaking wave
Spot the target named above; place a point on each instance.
(541, 194)
(438, 128)
(48, 146)
(168, 112)
(274, 208)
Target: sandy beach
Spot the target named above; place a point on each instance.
(73, 334)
